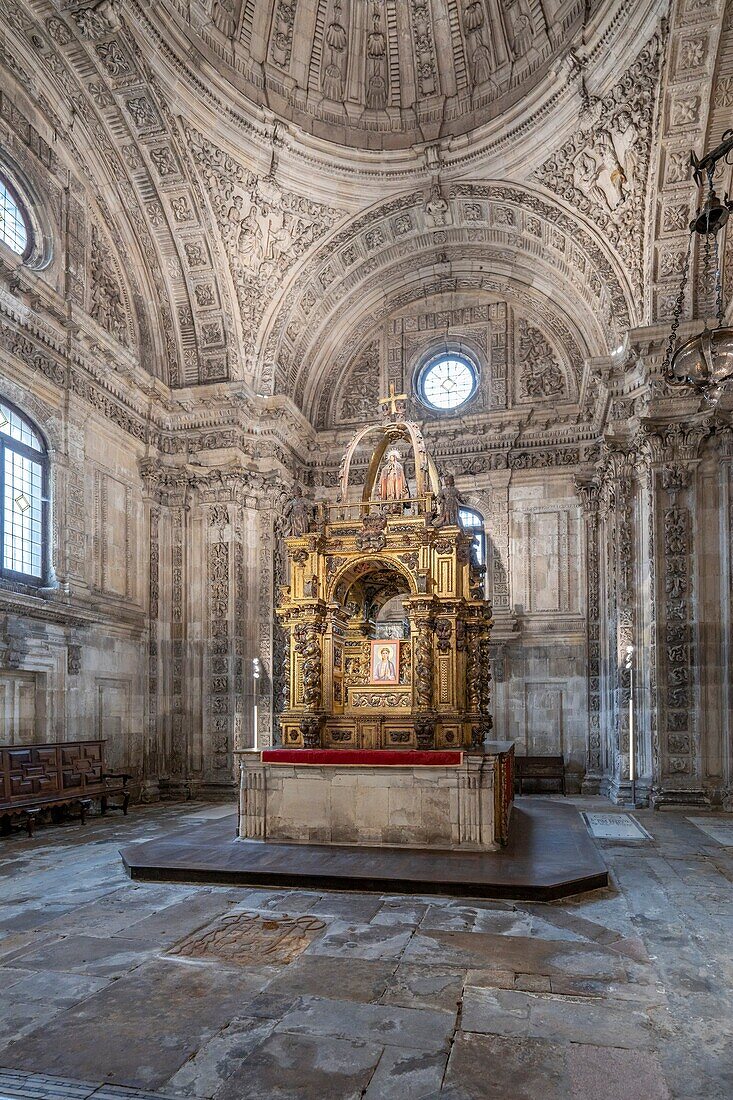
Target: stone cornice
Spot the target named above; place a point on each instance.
(173, 421)
(54, 608)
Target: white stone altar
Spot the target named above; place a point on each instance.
(459, 806)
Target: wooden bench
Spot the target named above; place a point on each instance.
(539, 767)
(34, 778)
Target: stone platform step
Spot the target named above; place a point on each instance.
(549, 855)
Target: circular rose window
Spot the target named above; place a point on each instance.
(447, 381)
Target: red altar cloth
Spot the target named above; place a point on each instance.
(405, 758)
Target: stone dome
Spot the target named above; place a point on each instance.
(381, 74)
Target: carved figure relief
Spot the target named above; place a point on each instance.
(393, 486)
(372, 536)
(443, 634)
(603, 168)
(436, 207)
(264, 229)
(479, 42)
(298, 514)
(540, 374)
(361, 385)
(449, 503)
(106, 295)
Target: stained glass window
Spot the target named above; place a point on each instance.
(13, 224)
(23, 467)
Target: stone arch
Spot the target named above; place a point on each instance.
(489, 235)
(494, 294)
(36, 410)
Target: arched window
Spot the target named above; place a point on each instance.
(447, 381)
(474, 521)
(23, 515)
(14, 224)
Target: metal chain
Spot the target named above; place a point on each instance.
(719, 306)
(705, 306)
(677, 315)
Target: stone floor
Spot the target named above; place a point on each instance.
(113, 989)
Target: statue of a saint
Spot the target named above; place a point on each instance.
(393, 483)
(449, 502)
(298, 514)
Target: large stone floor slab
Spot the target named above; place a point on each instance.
(116, 990)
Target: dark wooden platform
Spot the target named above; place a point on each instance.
(550, 855)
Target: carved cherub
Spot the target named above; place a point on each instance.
(109, 11)
(298, 514)
(449, 502)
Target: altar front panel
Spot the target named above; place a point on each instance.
(453, 807)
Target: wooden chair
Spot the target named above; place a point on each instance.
(539, 767)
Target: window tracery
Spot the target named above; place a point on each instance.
(14, 224)
(447, 381)
(24, 480)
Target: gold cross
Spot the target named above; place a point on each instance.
(392, 398)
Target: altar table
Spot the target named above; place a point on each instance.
(395, 798)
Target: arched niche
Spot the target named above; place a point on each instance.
(355, 572)
(426, 474)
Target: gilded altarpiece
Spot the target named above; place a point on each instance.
(355, 558)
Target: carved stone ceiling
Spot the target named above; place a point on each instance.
(378, 74)
(267, 180)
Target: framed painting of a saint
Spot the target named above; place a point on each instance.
(384, 667)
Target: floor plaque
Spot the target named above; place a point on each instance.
(615, 827)
(722, 831)
(251, 938)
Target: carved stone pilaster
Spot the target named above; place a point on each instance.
(615, 509)
(588, 491)
(152, 765)
(727, 687)
(177, 754)
(218, 734)
(498, 543)
(679, 776)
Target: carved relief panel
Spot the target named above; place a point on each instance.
(116, 532)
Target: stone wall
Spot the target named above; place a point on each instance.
(72, 659)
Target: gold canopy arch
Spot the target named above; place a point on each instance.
(393, 429)
(358, 567)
